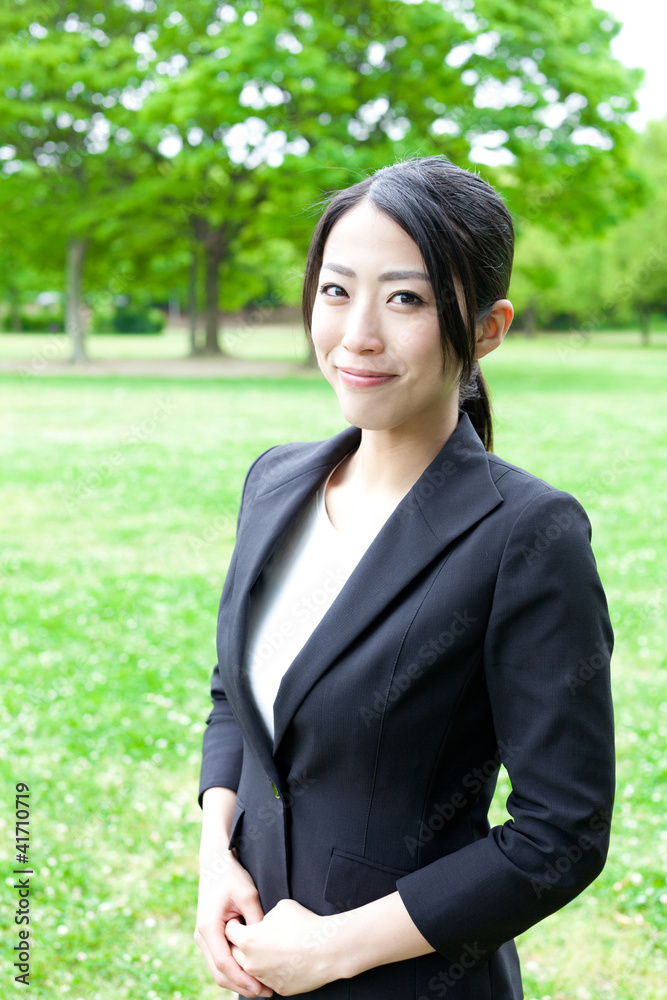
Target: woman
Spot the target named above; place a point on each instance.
(403, 612)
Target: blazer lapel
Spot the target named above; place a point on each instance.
(452, 494)
(275, 507)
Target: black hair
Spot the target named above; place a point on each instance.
(466, 238)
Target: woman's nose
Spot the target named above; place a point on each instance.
(362, 329)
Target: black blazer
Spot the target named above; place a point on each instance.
(473, 631)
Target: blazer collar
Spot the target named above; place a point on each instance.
(451, 495)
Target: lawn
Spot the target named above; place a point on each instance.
(118, 501)
(268, 342)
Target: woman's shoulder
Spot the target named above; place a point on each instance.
(511, 480)
(528, 498)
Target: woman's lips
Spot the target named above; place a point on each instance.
(363, 379)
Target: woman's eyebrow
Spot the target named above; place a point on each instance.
(403, 276)
(339, 269)
(385, 276)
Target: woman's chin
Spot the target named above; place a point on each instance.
(367, 419)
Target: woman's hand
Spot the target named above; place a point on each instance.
(292, 949)
(226, 892)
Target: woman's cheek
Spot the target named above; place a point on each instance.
(324, 340)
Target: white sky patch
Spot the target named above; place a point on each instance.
(132, 98)
(287, 41)
(484, 45)
(489, 148)
(258, 95)
(445, 126)
(303, 19)
(172, 66)
(589, 136)
(226, 13)
(368, 116)
(396, 128)
(170, 146)
(141, 43)
(492, 93)
(376, 53)
(72, 23)
(462, 11)
(459, 55)
(251, 143)
(641, 43)
(97, 139)
(195, 135)
(372, 112)
(492, 157)
(555, 114)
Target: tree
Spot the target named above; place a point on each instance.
(61, 75)
(222, 121)
(258, 106)
(637, 251)
(599, 279)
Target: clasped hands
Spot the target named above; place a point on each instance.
(289, 950)
(286, 950)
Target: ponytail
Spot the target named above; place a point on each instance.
(474, 399)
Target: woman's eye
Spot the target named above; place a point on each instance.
(406, 299)
(332, 291)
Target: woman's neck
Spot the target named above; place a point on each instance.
(388, 463)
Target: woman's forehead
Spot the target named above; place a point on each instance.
(367, 235)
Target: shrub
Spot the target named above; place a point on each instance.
(38, 321)
(129, 320)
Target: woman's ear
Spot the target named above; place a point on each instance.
(491, 331)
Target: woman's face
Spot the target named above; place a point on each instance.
(375, 327)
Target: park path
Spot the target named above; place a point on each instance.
(197, 367)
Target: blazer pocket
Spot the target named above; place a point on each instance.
(353, 881)
(237, 823)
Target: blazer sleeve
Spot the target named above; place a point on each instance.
(546, 658)
(222, 744)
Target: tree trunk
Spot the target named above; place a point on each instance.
(192, 302)
(215, 243)
(174, 309)
(529, 321)
(645, 325)
(14, 310)
(212, 316)
(76, 250)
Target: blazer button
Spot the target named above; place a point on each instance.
(275, 790)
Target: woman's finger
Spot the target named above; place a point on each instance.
(234, 931)
(251, 909)
(225, 969)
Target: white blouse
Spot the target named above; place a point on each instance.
(295, 589)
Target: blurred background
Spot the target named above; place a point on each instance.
(162, 165)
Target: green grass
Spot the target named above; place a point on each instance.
(119, 500)
(270, 342)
